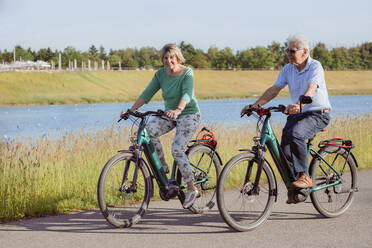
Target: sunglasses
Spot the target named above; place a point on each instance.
(292, 51)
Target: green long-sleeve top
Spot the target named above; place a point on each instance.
(174, 88)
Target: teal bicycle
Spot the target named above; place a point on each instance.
(247, 187)
(126, 185)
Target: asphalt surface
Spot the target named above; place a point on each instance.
(166, 224)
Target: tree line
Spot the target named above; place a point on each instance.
(260, 57)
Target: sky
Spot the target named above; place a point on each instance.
(238, 24)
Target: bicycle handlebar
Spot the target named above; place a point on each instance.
(264, 111)
(140, 115)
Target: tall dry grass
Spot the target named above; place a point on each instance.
(49, 176)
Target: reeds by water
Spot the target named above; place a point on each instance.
(50, 176)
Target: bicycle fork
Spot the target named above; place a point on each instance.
(260, 153)
(133, 187)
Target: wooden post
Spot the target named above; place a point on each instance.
(75, 65)
(59, 62)
(89, 65)
(119, 65)
(103, 65)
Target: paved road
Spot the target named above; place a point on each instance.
(166, 224)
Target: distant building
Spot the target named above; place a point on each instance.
(25, 66)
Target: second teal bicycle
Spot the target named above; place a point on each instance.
(247, 186)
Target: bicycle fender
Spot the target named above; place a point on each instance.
(329, 149)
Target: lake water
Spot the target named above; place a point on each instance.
(58, 120)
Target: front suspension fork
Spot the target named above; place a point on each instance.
(260, 159)
(133, 186)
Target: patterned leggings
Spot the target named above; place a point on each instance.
(185, 128)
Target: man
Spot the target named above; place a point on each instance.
(304, 76)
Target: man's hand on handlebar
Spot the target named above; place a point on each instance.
(292, 109)
(246, 110)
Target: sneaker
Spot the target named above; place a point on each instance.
(190, 198)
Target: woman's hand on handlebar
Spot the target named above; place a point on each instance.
(124, 115)
(173, 114)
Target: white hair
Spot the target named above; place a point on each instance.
(300, 41)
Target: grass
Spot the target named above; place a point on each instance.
(41, 88)
(50, 176)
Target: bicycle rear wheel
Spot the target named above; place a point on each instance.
(335, 200)
(242, 207)
(206, 167)
(123, 203)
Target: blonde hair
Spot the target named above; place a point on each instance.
(173, 50)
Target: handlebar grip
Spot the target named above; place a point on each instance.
(205, 129)
(281, 108)
(305, 99)
(160, 112)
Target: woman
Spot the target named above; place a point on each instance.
(177, 84)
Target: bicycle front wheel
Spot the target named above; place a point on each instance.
(334, 200)
(122, 201)
(206, 167)
(243, 206)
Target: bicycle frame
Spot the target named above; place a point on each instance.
(268, 139)
(144, 145)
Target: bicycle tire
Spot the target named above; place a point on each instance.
(205, 158)
(120, 208)
(241, 209)
(327, 201)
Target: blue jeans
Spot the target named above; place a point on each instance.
(297, 130)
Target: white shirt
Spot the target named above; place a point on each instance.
(298, 83)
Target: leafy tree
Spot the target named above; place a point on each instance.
(128, 57)
(93, 52)
(262, 58)
(321, 53)
(70, 54)
(277, 54)
(201, 61)
(114, 59)
(213, 56)
(102, 53)
(44, 54)
(355, 58)
(146, 56)
(188, 52)
(366, 55)
(245, 59)
(341, 58)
